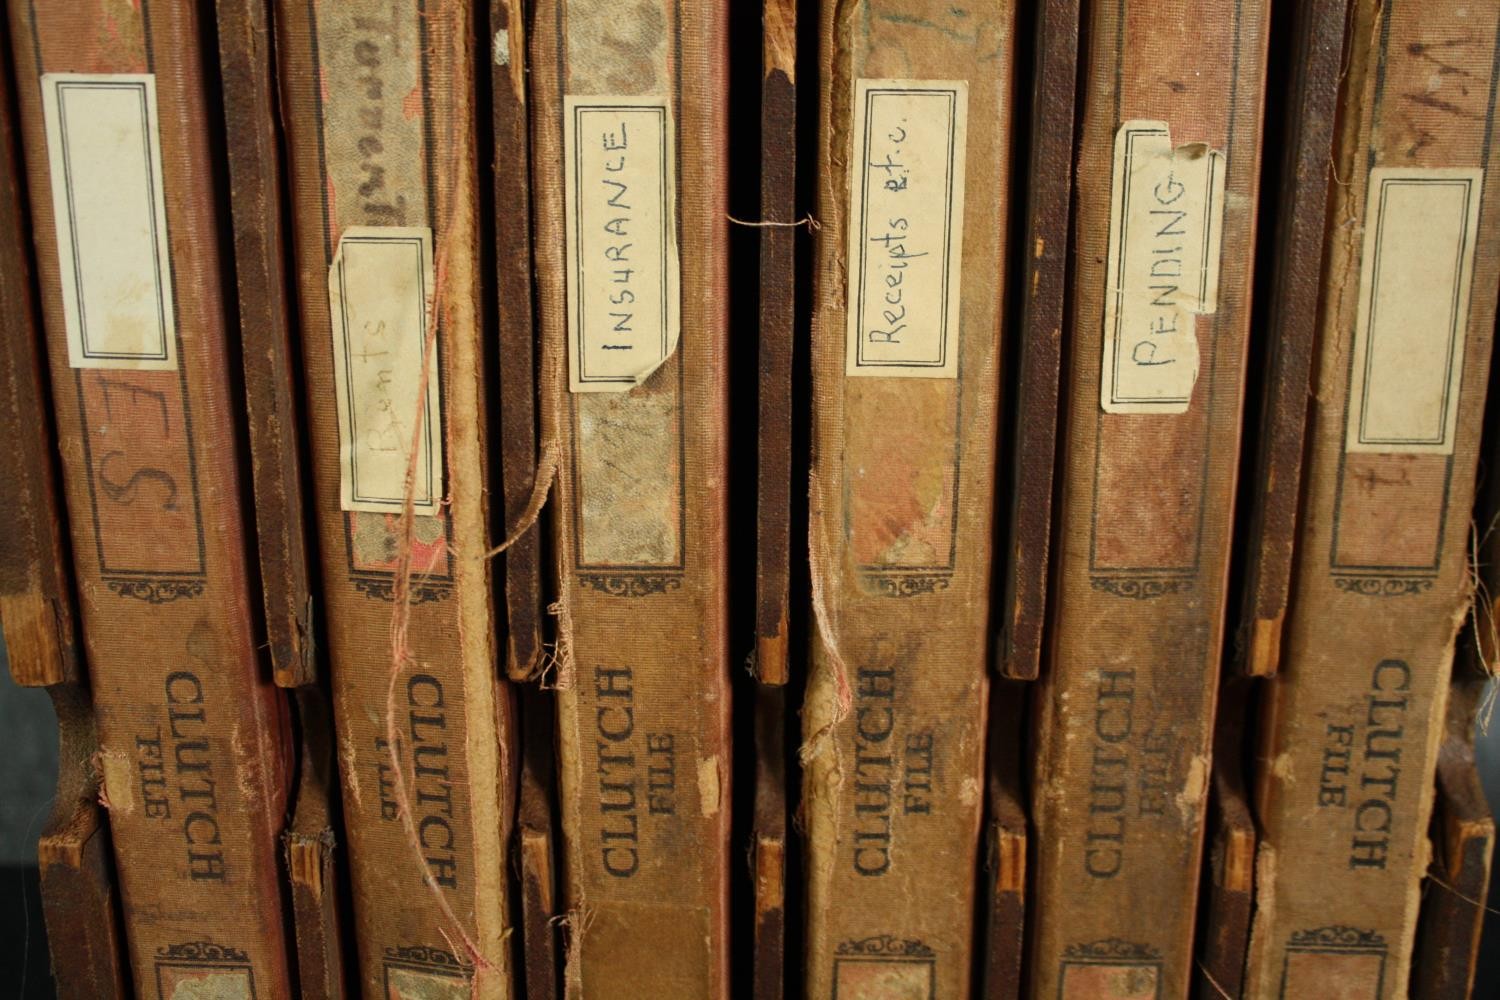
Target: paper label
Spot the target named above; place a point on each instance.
(378, 287)
(620, 204)
(1334, 967)
(104, 153)
(1414, 284)
(1165, 229)
(906, 227)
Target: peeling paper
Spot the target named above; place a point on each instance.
(708, 787)
(620, 203)
(1165, 232)
(1194, 786)
(117, 772)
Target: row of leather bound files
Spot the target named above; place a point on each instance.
(873, 500)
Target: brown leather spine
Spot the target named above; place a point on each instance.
(378, 102)
(35, 587)
(246, 66)
(1049, 188)
(313, 856)
(1352, 723)
(768, 845)
(778, 301)
(79, 901)
(1229, 887)
(252, 139)
(773, 542)
(192, 735)
(1316, 61)
(1126, 707)
(900, 533)
(517, 381)
(1452, 919)
(536, 839)
(1005, 847)
(642, 639)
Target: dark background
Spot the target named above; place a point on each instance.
(28, 773)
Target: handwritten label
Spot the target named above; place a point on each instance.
(104, 154)
(1414, 283)
(906, 227)
(378, 288)
(620, 207)
(1165, 229)
(374, 124)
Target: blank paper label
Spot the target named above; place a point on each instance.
(906, 227)
(621, 216)
(1414, 283)
(1165, 222)
(378, 289)
(104, 154)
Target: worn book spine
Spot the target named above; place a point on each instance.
(1165, 202)
(193, 737)
(1006, 839)
(1353, 721)
(629, 130)
(80, 893)
(536, 847)
(517, 376)
(1229, 869)
(1452, 918)
(769, 845)
(913, 157)
(252, 142)
(773, 538)
(79, 900)
(778, 304)
(1021, 615)
(378, 103)
(314, 848)
(1315, 61)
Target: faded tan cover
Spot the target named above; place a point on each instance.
(1126, 708)
(193, 742)
(639, 533)
(900, 537)
(401, 79)
(1355, 717)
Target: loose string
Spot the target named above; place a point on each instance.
(818, 562)
(812, 224)
(541, 486)
(401, 654)
(1212, 981)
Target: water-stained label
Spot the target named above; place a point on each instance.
(906, 227)
(1414, 283)
(378, 287)
(104, 153)
(373, 113)
(1165, 230)
(620, 210)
